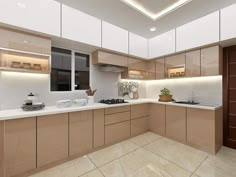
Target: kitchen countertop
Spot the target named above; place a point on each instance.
(48, 110)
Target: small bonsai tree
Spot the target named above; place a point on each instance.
(165, 91)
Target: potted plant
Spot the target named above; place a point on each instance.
(165, 95)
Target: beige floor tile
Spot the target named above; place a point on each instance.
(142, 163)
(94, 173)
(221, 165)
(180, 154)
(145, 138)
(194, 175)
(73, 168)
(113, 152)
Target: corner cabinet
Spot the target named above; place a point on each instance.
(85, 29)
(203, 31)
(42, 16)
(138, 46)
(114, 38)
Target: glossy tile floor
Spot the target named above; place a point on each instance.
(148, 155)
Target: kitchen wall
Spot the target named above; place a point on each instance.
(207, 90)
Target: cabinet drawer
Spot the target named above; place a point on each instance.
(117, 132)
(139, 126)
(139, 110)
(117, 109)
(116, 118)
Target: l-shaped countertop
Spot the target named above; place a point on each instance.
(48, 110)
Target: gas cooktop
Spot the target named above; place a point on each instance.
(113, 101)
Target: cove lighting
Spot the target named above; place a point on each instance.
(154, 16)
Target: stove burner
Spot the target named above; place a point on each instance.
(113, 101)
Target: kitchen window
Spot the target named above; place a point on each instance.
(69, 70)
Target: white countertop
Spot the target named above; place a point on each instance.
(48, 110)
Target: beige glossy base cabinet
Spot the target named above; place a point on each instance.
(20, 146)
(157, 119)
(205, 129)
(139, 125)
(52, 138)
(176, 123)
(98, 128)
(139, 110)
(2, 163)
(80, 132)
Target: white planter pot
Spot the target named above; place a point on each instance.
(90, 99)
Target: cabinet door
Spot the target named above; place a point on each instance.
(116, 118)
(85, 28)
(157, 119)
(114, 38)
(20, 146)
(139, 110)
(2, 165)
(227, 16)
(42, 16)
(160, 68)
(80, 132)
(174, 61)
(138, 46)
(197, 33)
(117, 132)
(211, 61)
(98, 128)
(139, 126)
(201, 129)
(193, 62)
(162, 45)
(52, 138)
(176, 123)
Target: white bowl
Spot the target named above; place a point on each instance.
(80, 102)
(64, 103)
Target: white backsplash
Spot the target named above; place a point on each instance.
(207, 90)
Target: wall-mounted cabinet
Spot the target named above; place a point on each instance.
(138, 46)
(227, 29)
(211, 61)
(198, 33)
(161, 45)
(114, 38)
(85, 28)
(42, 16)
(193, 63)
(175, 66)
(160, 68)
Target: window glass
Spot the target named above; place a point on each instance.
(60, 70)
(81, 71)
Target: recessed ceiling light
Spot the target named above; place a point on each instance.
(154, 16)
(152, 29)
(21, 5)
(25, 41)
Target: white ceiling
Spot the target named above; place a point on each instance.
(118, 13)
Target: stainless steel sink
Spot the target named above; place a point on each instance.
(186, 102)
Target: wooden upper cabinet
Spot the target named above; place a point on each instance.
(138, 46)
(176, 123)
(107, 58)
(160, 68)
(211, 61)
(85, 28)
(114, 38)
(193, 63)
(42, 16)
(52, 139)
(17, 40)
(200, 32)
(175, 63)
(227, 16)
(80, 132)
(157, 119)
(20, 146)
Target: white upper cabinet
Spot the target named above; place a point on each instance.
(138, 46)
(162, 45)
(114, 38)
(80, 27)
(42, 16)
(228, 27)
(197, 33)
